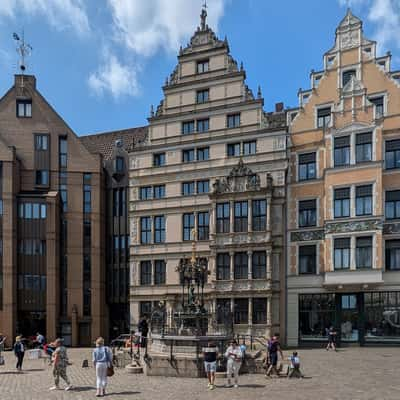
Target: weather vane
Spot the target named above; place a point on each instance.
(203, 16)
(23, 49)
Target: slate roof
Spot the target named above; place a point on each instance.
(104, 143)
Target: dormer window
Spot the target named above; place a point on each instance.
(203, 66)
(202, 96)
(24, 108)
(378, 106)
(346, 76)
(323, 117)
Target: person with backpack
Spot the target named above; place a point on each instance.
(102, 361)
(234, 358)
(19, 351)
(274, 348)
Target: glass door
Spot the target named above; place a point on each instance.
(349, 325)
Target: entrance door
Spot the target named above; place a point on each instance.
(349, 318)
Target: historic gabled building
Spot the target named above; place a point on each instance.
(343, 242)
(52, 252)
(213, 163)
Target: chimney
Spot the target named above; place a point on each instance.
(25, 80)
(278, 107)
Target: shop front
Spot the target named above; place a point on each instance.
(359, 318)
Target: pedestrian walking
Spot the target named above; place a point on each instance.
(331, 333)
(234, 358)
(274, 348)
(143, 328)
(19, 351)
(102, 361)
(210, 354)
(60, 364)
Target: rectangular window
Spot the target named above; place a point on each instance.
(203, 125)
(145, 230)
(392, 204)
(259, 265)
(223, 218)
(223, 309)
(233, 121)
(346, 76)
(241, 213)
(145, 309)
(203, 225)
(188, 226)
(307, 259)
(241, 270)
(364, 252)
(342, 253)
(159, 159)
(249, 147)
(259, 217)
(323, 117)
(392, 154)
(342, 202)
(146, 193)
(378, 105)
(41, 142)
(223, 266)
(241, 311)
(203, 153)
(363, 147)
(159, 191)
(233, 149)
(364, 200)
(145, 273)
(307, 166)
(202, 96)
(392, 255)
(24, 108)
(187, 127)
(119, 164)
(307, 213)
(342, 151)
(203, 186)
(1, 207)
(259, 311)
(202, 66)
(187, 188)
(63, 151)
(42, 177)
(87, 198)
(159, 272)
(187, 155)
(159, 229)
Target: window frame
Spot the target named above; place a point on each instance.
(307, 164)
(203, 225)
(159, 159)
(323, 121)
(363, 199)
(146, 275)
(259, 218)
(240, 222)
(188, 127)
(146, 231)
(160, 272)
(159, 229)
(186, 152)
(396, 155)
(308, 211)
(341, 251)
(187, 228)
(188, 185)
(358, 251)
(223, 267)
(233, 120)
(342, 201)
(25, 103)
(310, 269)
(259, 265)
(396, 205)
(344, 150)
(223, 221)
(235, 146)
(240, 265)
(389, 257)
(202, 63)
(202, 96)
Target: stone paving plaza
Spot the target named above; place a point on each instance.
(351, 373)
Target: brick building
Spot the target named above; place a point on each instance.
(343, 201)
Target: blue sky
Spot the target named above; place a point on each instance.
(101, 63)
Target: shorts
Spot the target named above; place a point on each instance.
(274, 359)
(210, 366)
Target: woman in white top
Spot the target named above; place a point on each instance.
(234, 358)
(102, 359)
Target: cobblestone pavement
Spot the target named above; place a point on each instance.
(350, 374)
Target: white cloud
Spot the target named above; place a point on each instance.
(385, 15)
(146, 26)
(60, 14)
(114, 78)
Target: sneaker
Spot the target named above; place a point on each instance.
(55, 388)
(236, 385)
(69, 387)
(212, 387)
(209, 385)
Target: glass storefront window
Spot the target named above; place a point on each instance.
(382, 316)
(316, 314)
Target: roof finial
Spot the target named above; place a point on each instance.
(23, 49)
(152, 111)
(203, 16)
(259, 93)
